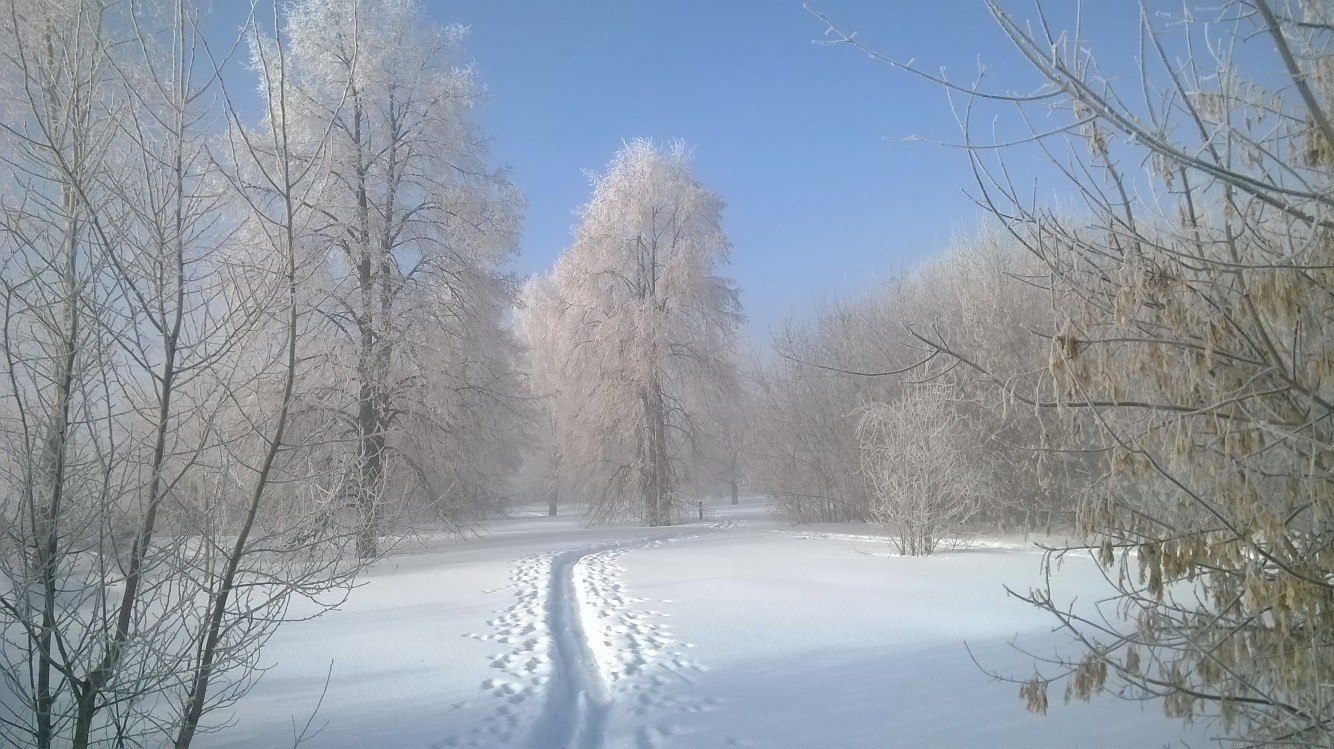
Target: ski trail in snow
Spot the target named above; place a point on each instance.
(635, 650)
(578, 700)
(615, 655)
(579, 649)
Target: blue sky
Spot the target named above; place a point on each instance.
(800, 139)
(804, 141)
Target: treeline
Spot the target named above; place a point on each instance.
(858, 418)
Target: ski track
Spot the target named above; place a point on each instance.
(579, 649)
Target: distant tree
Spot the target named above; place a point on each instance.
(801, 442)
(538, 319)
(926, 466)
(647, 331)
(986, 295)
(723, 451)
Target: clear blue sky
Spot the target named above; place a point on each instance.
(804, 141)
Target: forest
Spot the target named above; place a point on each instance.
(260, 363)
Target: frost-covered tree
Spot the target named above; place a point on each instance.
(416, 228)
(927, 468)
(538, 318)
(155, 506)
(646, 331)
(803, 443)
(57, 482)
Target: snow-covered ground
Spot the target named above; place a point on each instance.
(738, 631)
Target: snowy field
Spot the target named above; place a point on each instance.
(740, 631)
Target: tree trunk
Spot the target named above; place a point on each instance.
(47, 535)
(370, 358)
(553, 482)
(369, 479)
(656, 480)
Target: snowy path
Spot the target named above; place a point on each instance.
(582, 647)
(578, 698)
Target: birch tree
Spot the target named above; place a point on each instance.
(648, 330)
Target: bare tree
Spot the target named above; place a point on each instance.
(1191, 327)
(263, 552)
(863, 351)
(537, 321)
(802, 443)
(923, 461)
(59, 475)
(138, 424)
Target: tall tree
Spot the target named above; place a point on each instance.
(57, 478)
(416, 225)
(648, 330)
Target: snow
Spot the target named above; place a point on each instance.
(740, 631)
